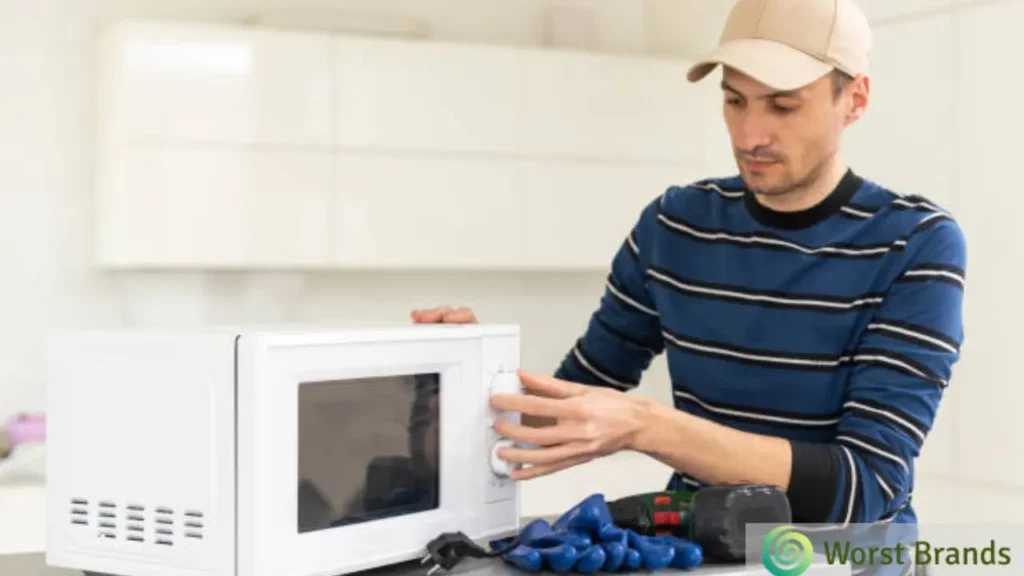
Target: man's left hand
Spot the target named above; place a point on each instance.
(591, 422)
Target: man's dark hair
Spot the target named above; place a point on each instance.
(840, 80)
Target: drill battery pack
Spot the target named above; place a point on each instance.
(716, 517)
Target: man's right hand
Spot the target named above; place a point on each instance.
(444, 315)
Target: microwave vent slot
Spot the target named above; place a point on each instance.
(195, 524)
(80, 511)
(137, 523)
(106, 518)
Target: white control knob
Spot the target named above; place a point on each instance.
(506, 383)
(502, 468)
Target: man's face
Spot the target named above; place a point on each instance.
(783, 141)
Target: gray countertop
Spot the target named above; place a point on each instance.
(30, 565)
(35, 565)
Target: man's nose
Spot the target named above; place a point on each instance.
(754, 131)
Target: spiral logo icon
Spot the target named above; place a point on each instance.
(786, 552)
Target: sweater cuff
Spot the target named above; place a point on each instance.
(814, 481)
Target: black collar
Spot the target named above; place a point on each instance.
(842, 194)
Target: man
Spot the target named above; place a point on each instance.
(810, 317)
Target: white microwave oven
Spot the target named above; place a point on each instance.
(290, 452)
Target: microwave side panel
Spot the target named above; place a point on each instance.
(140, 461)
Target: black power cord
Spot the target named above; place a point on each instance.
(450, 548)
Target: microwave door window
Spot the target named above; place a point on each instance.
(368, 449)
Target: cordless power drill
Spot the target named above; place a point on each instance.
(714, 517)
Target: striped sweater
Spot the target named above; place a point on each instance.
(836, 327)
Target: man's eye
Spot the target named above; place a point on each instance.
(783, 109)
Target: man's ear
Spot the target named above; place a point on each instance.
(859, 95)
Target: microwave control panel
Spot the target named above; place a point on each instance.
(501, 360)
(503, 383)
(500, 485)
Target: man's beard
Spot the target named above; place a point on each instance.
(760, 155)
(788, 185)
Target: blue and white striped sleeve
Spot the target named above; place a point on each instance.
(623, 335)
(900, 370)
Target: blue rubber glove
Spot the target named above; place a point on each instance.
(584, 540)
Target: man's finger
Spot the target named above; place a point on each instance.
(545, 469)
(540, 456)
(534, 406)
(547, 436)
(431, 315)
(542, 385)
(461, 315)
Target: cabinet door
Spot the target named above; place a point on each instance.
(219, 208)
(217, 85)
(577, 217)
(487, 213)
(511, 101)
(423, 212)
(502, 158)
(990, 122)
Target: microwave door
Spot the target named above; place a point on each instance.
(355, 454)
(391, 470)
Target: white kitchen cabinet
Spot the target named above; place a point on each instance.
(214, 148)
(502, 158)
(239, 147)
(495, 213)
(586, 222)
(990, 122)
(906, 141)
(215, 85)
(175, 207)
(426, 213)
(493, 100)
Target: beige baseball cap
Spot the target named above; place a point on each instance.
(787, 44)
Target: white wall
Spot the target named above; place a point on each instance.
(45, 147)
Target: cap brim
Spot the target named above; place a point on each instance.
(775, 65)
